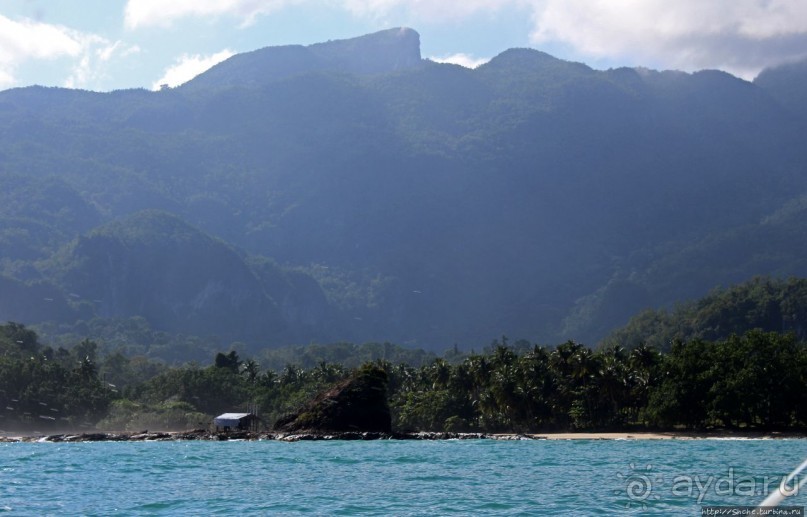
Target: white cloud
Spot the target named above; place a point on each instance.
(81, 73)
(109, 50)
(27, 39)
(428, 10)
(96, 54)
(162, 13)
(461, 59)
(6, 79)
(106, 53)
(740, 36)
(187, 67)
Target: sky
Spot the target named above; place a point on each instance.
(105, 45)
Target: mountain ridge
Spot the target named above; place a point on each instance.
(421, 203)
(381, 52)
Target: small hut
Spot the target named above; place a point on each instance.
(236, 422)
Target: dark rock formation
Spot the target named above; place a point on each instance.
(357, 404)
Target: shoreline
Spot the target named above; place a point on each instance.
(206, 435)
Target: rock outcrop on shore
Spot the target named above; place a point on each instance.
(356, 405)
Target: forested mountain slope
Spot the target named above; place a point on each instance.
(351, 190)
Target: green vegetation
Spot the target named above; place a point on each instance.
(752, 381)
(770, 304)
(749, 381)
(44, 387)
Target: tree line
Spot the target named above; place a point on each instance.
(751, 381)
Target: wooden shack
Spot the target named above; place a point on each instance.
(236, 422)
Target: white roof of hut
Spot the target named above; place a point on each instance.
(231, 419)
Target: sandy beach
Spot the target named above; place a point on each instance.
(675, 435)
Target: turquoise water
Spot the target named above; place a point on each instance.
(479, 477)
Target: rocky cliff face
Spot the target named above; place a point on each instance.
(357, 404)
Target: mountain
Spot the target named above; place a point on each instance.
(351, 190)
(155, 265)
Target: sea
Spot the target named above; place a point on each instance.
(389, 477)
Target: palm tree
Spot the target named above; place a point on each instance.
(643, 365)
(250, 369)
(612, 380)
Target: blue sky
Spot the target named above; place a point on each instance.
(104, 45)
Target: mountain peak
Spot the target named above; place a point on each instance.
(527, 60)
(384, 51)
